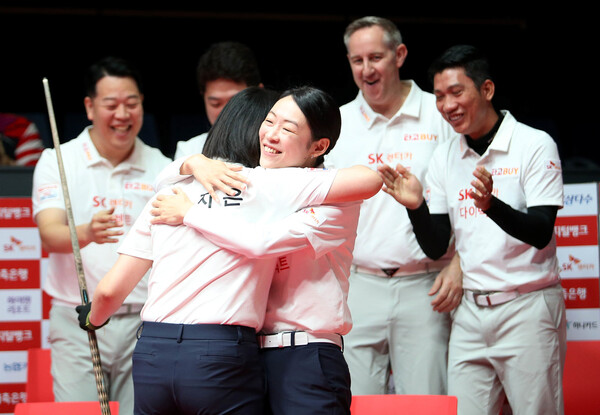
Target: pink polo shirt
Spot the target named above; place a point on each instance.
(194, 281)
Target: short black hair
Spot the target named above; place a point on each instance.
(475, 64)
(110, 66)
(228, 60)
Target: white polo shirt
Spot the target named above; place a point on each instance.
(314, 254)
(94, 185)
(193, 281)
(190, 147)
(526, 170)
(309, 291)
(385, 237)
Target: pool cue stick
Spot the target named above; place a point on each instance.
(100, 387)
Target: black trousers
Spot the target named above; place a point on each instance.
(197, 369)
(307, 380)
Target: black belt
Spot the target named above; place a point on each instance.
(196, 331)
(405, 270)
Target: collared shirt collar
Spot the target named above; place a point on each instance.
(505, 132)
(501, 140)
(92, 157)
(411, 106)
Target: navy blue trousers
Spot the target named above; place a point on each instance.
(307, 380)
(197, 369)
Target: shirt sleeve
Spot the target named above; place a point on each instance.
(47, 188)
(138, 241)
(291, 188)
(543, 184)
(330, 226)
(170, 174)
(321, 228)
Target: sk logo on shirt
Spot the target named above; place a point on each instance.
(553, 165)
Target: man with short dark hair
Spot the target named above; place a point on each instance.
(498, 189)
(110, 174)
(223, 70)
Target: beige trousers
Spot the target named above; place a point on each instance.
(516, 349)
(72, 368)
(395, 327)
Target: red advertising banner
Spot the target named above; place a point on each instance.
(15, 274)
(581, 293)
(21, 335)
(16, 213)
(576, 230)
(10, 395)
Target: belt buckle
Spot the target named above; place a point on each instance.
(280, 335)
(389, 272)
(487, 297)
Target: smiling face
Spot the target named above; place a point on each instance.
(116, 114)
(467, 108)
(286, 138)
(375, 67)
